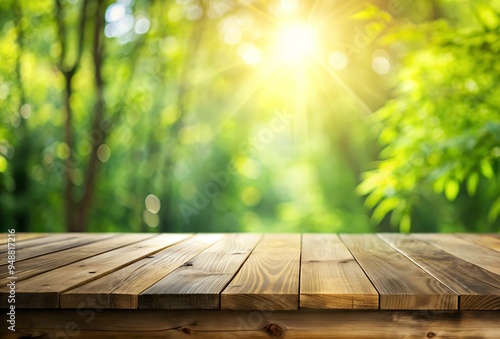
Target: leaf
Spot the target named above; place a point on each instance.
(374, 198)
(472, 183)
(494, 210)
(451, 189)
(486, 169)
(405, 224)
(368, 13)
(383, 208)
(438, 185)
(488, 17)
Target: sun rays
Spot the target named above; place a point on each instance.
(297, 49)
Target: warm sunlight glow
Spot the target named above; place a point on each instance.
(295, 43)
(249, 53)
(338, 60)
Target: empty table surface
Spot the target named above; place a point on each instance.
(264, 272)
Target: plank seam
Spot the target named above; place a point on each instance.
(68, 248)
(462, 258)
(422, 268)
(367, 276)
(300, 269)
(119, 266)
(91, 256)
(238, 271)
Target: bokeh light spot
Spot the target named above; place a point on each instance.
(250, 196)
(142, 26)
(152, 203)
(115, 12)
(381, 65)
(25, 111)
(4, 91)
(103, 152)
(62, 151)
(338, 60)
(174, 13)
(150, 219)
(194, 12)
(188, 135)
(15, 120)
(170, 115)
(249, 53)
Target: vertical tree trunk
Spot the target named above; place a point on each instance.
(97, 123)
(68, 72)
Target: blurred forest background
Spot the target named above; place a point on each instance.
(250, 115)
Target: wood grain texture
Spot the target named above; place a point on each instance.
(491, 241)
(269, 279)
(400, 283)
(216, 324)
(471, 252)
(330, 278)
(197, 284)
(121, 288)
(283, 272)
(34, 266)
(34, 242)
(479, 289)
(43, 290)
(22, 236)
(24, 252)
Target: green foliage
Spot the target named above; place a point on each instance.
(441, 132)
(181, 107)
(201, 115)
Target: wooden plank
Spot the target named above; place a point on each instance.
(471, 252)
(26, 252)
(479, 289)
(22, 236)
(330, 278)
(53, 238)
(269, 279)
(31, 267)
(401, 284)
(216, 324)
(198, 283)
(490, 241)
(120, 289)
(42, 291)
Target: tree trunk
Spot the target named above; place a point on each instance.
(99, 110)
(68, 73)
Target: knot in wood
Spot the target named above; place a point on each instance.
(431, 334)
(275, 330)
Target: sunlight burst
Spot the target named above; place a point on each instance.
(295, 43)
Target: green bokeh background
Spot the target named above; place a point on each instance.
(405, 137)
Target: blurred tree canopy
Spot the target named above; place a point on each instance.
(441, 132)
(249, 115)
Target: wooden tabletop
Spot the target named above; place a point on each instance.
(244, 271)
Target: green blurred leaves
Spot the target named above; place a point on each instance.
(441, 131)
